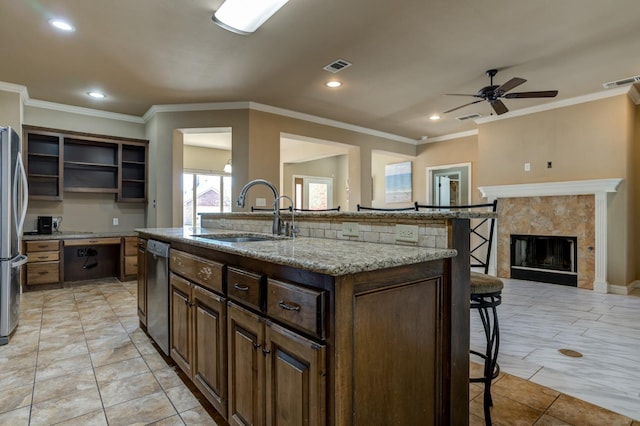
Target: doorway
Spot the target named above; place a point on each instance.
(312, 192)
(449, 185)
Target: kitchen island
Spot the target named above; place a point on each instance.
(318, 330)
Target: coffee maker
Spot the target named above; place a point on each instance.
(45, 224)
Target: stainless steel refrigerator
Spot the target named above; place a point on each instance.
(13, 209)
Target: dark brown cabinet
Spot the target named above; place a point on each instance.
(59, 161)
(43, 161)
(43, 266)
(276, 376)
(198, 326)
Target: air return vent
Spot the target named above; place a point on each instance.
(337, 65)
(623, 82)
(469, 117)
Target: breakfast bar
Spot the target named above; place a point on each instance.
(317, 330)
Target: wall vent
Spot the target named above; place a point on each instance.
(469, 117)
(337, 65)
(623, 82)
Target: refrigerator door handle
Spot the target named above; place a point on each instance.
(19, 261)
(25, 195)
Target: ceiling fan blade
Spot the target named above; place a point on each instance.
(499, 107)
(511, 84)
(460, 94)
(462, 106)
(542, 94)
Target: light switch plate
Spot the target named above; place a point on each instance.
(350, 229)
(408, 233)
(115, 221)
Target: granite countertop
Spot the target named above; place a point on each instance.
(418, 215)
(64, 235)
(325, 256)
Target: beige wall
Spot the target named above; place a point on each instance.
(378, 162)
(86, 212)
(207, 160)
(454, 151)
(330, 167)
(585, 141)
(11, 110)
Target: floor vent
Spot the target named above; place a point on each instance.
(337, 65)
(623, 82)
(469, 117)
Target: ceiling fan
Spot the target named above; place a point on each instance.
(492, 93)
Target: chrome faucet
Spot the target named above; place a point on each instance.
(243, 194)
(289, 229)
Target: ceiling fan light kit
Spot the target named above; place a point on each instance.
(493, 93)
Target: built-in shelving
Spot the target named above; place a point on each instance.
(60, 162)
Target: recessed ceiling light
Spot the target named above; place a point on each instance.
(96, 94)
(333, 83)
(434, 117)
(61, 25)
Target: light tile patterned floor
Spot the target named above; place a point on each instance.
(537, 319)
(79, 358)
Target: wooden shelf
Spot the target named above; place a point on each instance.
(59, 161)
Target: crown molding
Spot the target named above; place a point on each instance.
(634, 95)
(557, 104)
(15, 88)
(449, 137)
(84, 111)
(203, 106)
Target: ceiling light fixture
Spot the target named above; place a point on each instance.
(97, 95)
(245, 16)
(227, 167)
(333, 83)
(434, 117)
(61, 25)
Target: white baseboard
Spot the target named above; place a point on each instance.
(624, 289)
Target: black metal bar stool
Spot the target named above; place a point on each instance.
(486, 295)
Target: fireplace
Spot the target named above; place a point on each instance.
(544, 258)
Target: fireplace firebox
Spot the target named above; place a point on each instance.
(549, 259)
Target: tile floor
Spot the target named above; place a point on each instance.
(79, 358)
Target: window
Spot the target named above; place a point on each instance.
(204, 193)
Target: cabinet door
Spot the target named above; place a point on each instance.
(142, 282)
(246, 366)
(180, 321)
(210, 346)
(295, 378)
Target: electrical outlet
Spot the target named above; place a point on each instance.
(261, 202)
(407, 233)
(54, 223)
(350, 229)
(115, 221)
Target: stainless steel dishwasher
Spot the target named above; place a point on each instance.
(158, 293)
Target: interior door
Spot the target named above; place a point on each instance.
(443, 195)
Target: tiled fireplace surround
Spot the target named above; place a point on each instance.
(571, 209)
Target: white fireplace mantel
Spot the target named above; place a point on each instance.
(597, 187)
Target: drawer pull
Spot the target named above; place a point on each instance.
(42, 257)
(240, 287)
(42, 246)
(42, 272)
(289, 307)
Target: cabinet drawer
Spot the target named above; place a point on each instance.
(300, 307)
(205, 272)
(130, 246)
(91, 241)
(131, 265)
(245, 287)
(42, 246)
(43, 273)
(44, 256)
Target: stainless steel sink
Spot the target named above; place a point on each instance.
(232, 238)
